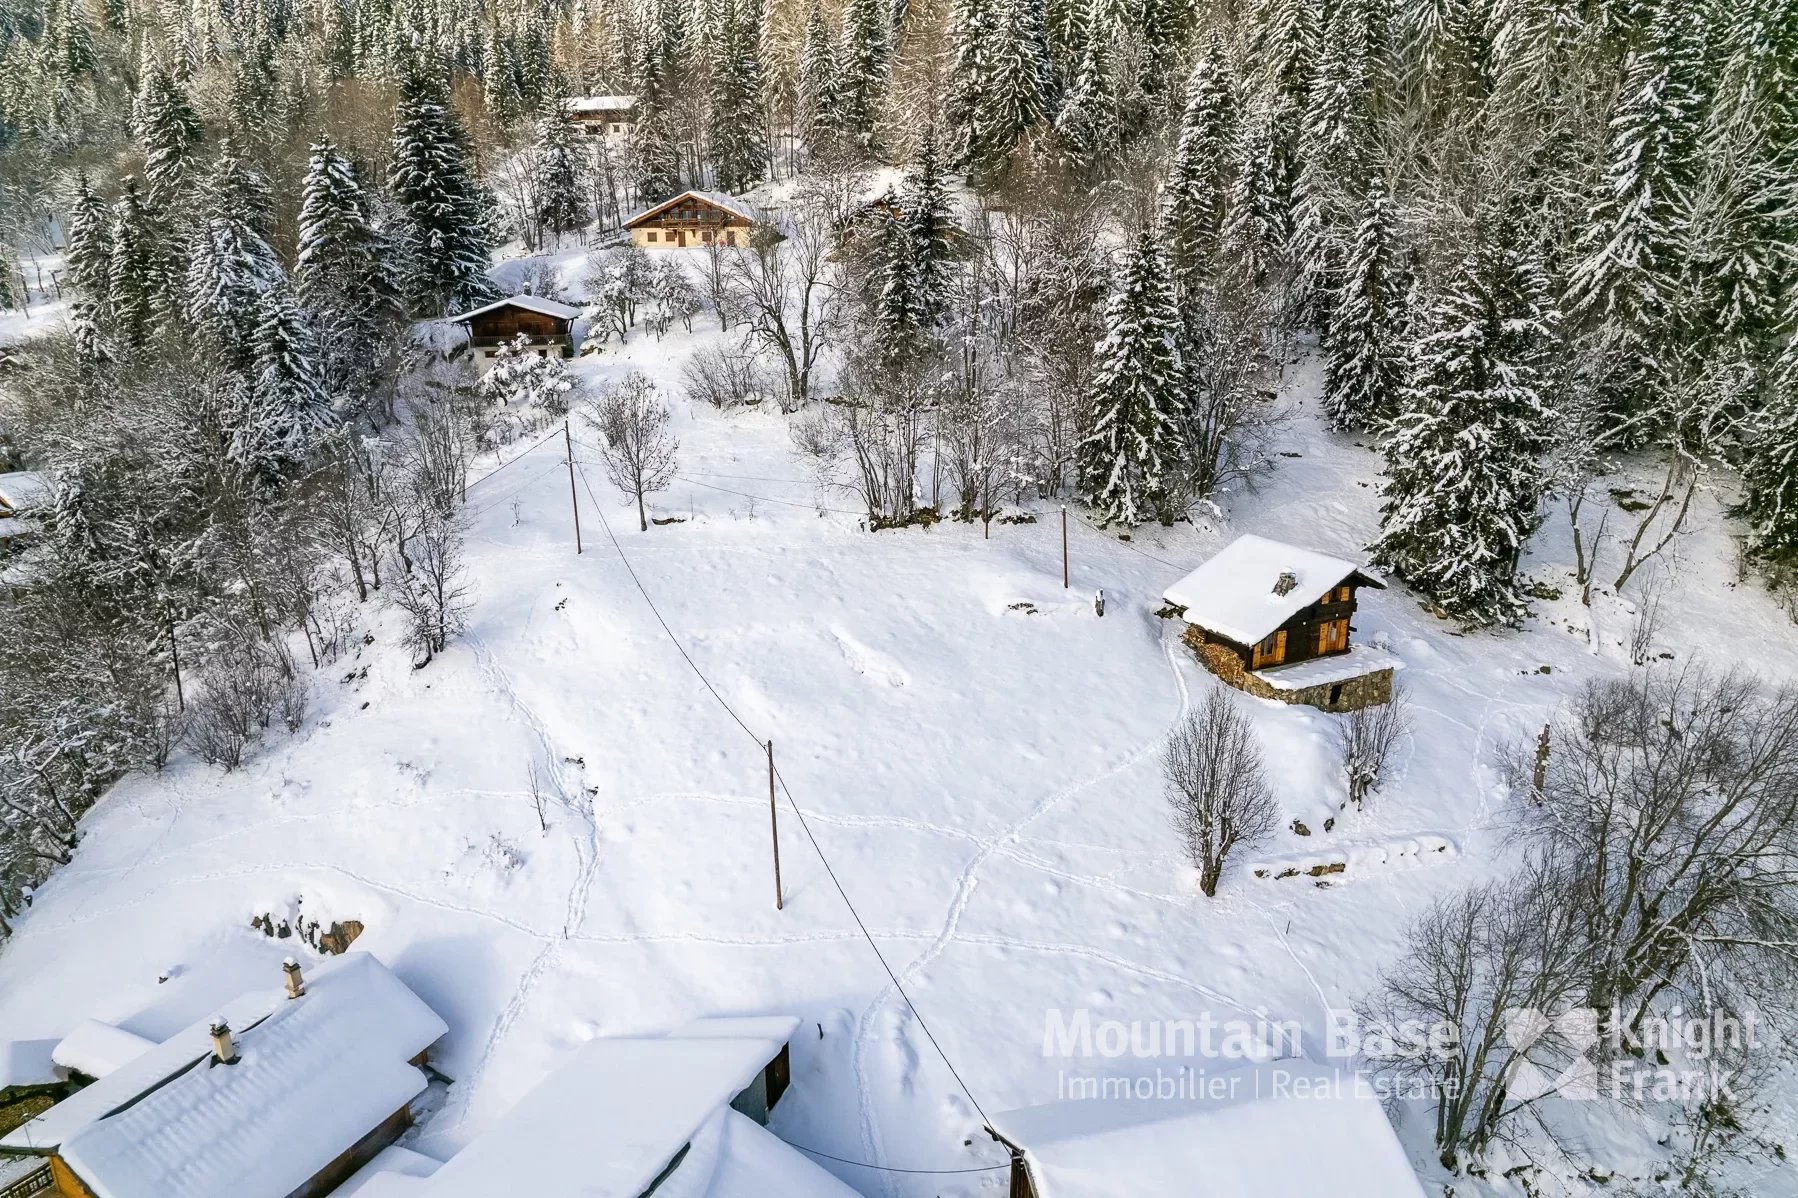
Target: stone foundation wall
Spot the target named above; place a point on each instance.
(1368, 690)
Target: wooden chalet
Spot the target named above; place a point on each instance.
(285, 1093)
(692, 220)
(1275, 620)
(602, 116)
(546, 325)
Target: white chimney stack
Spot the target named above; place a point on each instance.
(224, 1052)
(296, 985)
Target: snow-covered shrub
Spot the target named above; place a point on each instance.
(526, 390)
(727, 378)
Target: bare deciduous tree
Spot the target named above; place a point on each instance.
(639, 452)
(432, 588)
(781, 287)
(1365, 738)
(1476, 959)
(1672, 797)
(871, 443)
(1218, 786)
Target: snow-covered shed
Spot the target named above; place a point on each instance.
(545, 324)
(681, 1114)
(1274, 619)
(694, 219)
(285, 1092)
(94, 1048)
(1281, 1129)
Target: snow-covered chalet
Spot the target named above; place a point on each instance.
(1274, 620)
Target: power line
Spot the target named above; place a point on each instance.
(504, 465)
(810, 507)
(791, 802)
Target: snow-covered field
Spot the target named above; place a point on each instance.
(983, 780)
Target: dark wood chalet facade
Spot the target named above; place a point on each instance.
(546, 325)
(1261, 609)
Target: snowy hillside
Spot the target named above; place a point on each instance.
(975, 751)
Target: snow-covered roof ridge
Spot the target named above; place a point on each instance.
(530, 303)
(1279, 1129)
(733, 204)
(1242, 592)
(313, 1075)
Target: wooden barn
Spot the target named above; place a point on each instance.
(692, 220)
(602, 116)
(546, 325)
(1275, 620)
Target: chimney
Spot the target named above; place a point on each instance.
(296, 984)
(224, 1052)
(1284, 584)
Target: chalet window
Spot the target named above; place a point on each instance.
(707, 237)
(652, 235)
(1342, 594)
(1270, 652)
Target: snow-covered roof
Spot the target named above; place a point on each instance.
(732, 1156)
(394, 1172)
(1237, 592)
(735, 205)
(608, 1121)
(530, 303)
(1337, 667)
(97, 1048)
(23, 490)
(313, 1076)
(27, 1063)
(1283, 1129)
(601, 103)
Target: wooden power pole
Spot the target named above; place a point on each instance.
(1064, 546)
(774, 825)
(573, 502)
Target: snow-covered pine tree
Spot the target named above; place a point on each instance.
(289, 407)
(169, 130)
(925, 202)
(230, 262)
(1366, 342)
(342, 276)
(1463, 482)
(445, 234)
(1020, 87)
(973, 27)
(1129, 463)
(1086, 125)
(1622, 290)
(561, 175)
(735, 140)
(137, 285)
(862, 71)
(1200, 175)
(90, 242)
(1769, 503)
(895, 316)
(815, 113)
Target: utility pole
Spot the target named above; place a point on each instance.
(574, 503)
(774, 824)
(1064, 546)
(175, 653)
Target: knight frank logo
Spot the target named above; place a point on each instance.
(1573, 1034)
